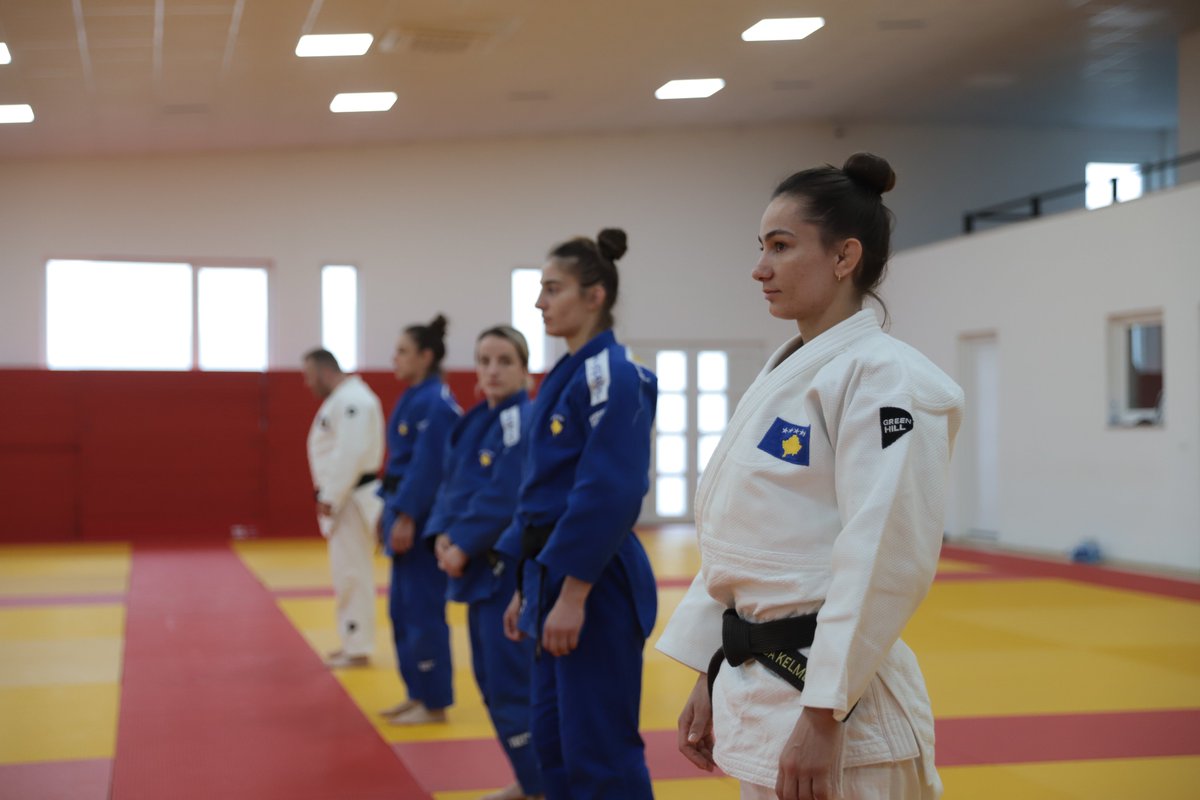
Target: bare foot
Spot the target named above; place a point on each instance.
(344, 660)
(419, 715)
(511, 792)
(399, 708)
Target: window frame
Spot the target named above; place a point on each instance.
(1121, 414)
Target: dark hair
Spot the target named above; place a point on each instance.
(848, 203)
(513, 337)
(431, 337)
(323, 358)
(595, 262)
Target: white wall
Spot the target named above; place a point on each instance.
(1047, 289)
(1189, 100)
(437, 227)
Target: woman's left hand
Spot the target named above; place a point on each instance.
(452, 561)
(560, 633)
(812, 757)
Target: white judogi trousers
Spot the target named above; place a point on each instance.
(351, 538)
(900, 780)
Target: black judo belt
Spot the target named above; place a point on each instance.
(390, 483)
(533, 539)
(776, 645)
(363, 480)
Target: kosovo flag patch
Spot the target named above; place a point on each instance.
(787, 442)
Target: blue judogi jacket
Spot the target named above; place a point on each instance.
(416, 438)
(586, 472)
(475, 504)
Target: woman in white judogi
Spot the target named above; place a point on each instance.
(822, 505)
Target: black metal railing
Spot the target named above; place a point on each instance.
(1035, 205)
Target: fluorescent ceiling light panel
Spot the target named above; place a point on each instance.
(780, 30)
(353, 102)
(17, 113)
(682, 90)
(5, 56)
(337, 44)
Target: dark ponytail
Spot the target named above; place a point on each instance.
(431, 337)
(595, 262)
(847, 203)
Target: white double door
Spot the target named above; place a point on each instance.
(698, 388)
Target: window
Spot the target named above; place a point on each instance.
(1136, 370)
(232, 306)
(712, 381)
(670, 440)
(1100, 176)
(691, 417)
(526, 286)
(154, 316)
(116, 315)
(339, 314)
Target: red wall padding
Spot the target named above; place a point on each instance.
(161, 455)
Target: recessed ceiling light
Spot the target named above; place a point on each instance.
(5, 56)
(779, 30)
(352, 102)
(336, 44)
(682, 90)
(17, 113)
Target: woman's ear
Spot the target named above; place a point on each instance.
(594, 297)
(848, 257)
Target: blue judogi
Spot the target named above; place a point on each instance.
(475, 504)
(585, 474)
(416, 438)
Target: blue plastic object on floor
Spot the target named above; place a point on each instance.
(1087, 552)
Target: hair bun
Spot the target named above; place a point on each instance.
(438, 326)
(870, 171)
(612, 243)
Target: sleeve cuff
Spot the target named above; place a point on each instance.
(693, 633)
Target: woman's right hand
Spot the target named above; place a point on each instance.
(696, 739)
(402, 534)
(511, 615)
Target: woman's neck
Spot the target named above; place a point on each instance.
(833, 315)
(576, 342)
(492, 403)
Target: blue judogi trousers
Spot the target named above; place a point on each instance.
(586, 704)
(417, 607)
(502, 670)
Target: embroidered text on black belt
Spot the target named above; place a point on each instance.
(776, 645)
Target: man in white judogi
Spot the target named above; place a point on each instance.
(345, 450)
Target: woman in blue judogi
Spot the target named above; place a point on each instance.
(416, 439)
(475, 504)
(588, 594)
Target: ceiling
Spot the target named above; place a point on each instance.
(136, 76)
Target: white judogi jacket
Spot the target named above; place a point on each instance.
(345, 442)
(826, 494)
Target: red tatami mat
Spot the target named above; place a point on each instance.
(1068, 737)
(56, 780)
(1015, 566)
(439, 765)
(222, 698)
